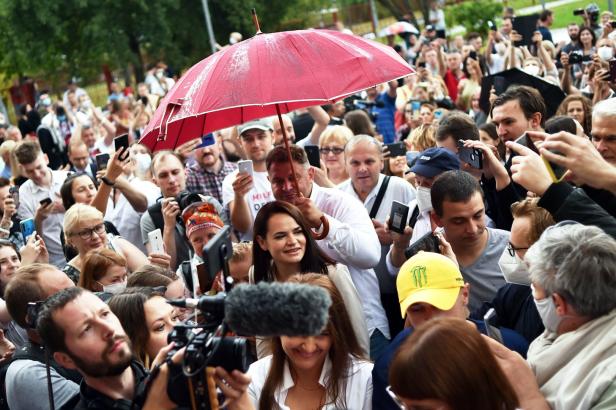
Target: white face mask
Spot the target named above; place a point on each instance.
(513, 268)
(531, 70)
(115, 288)
(160, 74)
(142, 162)
(424, 201)
(547, 312)
(605, 53)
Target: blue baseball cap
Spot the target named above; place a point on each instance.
(435, 161)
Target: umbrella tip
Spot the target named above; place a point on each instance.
(255, 20)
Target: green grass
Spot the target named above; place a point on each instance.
(563, 15)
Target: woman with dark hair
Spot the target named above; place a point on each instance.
(359, 122)
(284, 246)
(579, 108)
(488, 135)
(326, 371)
(147, 319)
(446, 364)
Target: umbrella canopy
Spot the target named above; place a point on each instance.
(269, 72)
(399, 27)
(552, 94)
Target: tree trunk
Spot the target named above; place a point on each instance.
(133, 44)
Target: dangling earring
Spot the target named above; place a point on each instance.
(147, 361)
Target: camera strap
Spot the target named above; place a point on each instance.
(379, 197)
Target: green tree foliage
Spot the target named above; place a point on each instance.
(474, 15)
(58, 39)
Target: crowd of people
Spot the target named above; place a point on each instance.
(469, 253)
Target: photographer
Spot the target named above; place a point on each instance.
(83, 334)
(169, 175)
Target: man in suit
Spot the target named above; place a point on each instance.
(80, 158)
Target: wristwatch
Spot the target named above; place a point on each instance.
(107, 181)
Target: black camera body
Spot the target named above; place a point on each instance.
(575, 57)
(205, 343)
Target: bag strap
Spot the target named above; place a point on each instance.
(379, 197)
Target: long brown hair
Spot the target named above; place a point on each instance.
(586, 106)
(128, 306)
(446, 359)
(344, 348)
(314, 259)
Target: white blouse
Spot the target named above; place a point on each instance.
(358, 394)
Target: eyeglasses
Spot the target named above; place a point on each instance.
(87, 233)
(333, 150)
(395, 398)
(512, 249)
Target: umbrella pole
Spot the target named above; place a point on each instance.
(288, 148)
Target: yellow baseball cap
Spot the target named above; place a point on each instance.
(430, 278)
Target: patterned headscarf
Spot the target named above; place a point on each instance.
(199, 216)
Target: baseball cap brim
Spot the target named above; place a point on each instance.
(442, 299)
(426, 170)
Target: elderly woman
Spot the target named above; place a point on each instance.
(84, 230)
(331, 147)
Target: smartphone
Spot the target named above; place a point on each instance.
(205, 281)
(155, 238)
(245, 167)
(398, 216)
(526, 141)
(421, 64)
(397, 149)
(414, 217)
(473, 55)
(612, 70)
(415, 106)
(217, 251)
(122, 142)
(45, 201)
(427, 243)
(14, 192)
(27, 228)
(314, 157)
(556, 171)
(491, 330)
(438, 114)
(613, 24)
(472, 156)
(101, 161)
(491, 25)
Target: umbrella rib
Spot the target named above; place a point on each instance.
(175, 143)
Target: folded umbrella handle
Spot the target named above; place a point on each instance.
(324, 232)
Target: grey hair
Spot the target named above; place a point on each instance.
(579, 263)
(604, 109)
(358, 139)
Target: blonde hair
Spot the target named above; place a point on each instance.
(423, 137)
(78, 213)
(338, 133)
(241, 251)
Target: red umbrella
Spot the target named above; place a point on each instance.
(266, 73)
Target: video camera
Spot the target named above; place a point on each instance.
(206, 343)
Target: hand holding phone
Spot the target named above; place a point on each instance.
(491, 330)
(45, 202)
(398, 216)
(245, 167)
(27, 228)
(101, 161)
(397, 149)
(472, 156)
(120, 143)
(427, 243)
(155, 239)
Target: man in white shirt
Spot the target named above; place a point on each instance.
(351, 239)
(246, 193)
(42, 184)
(364, 163)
